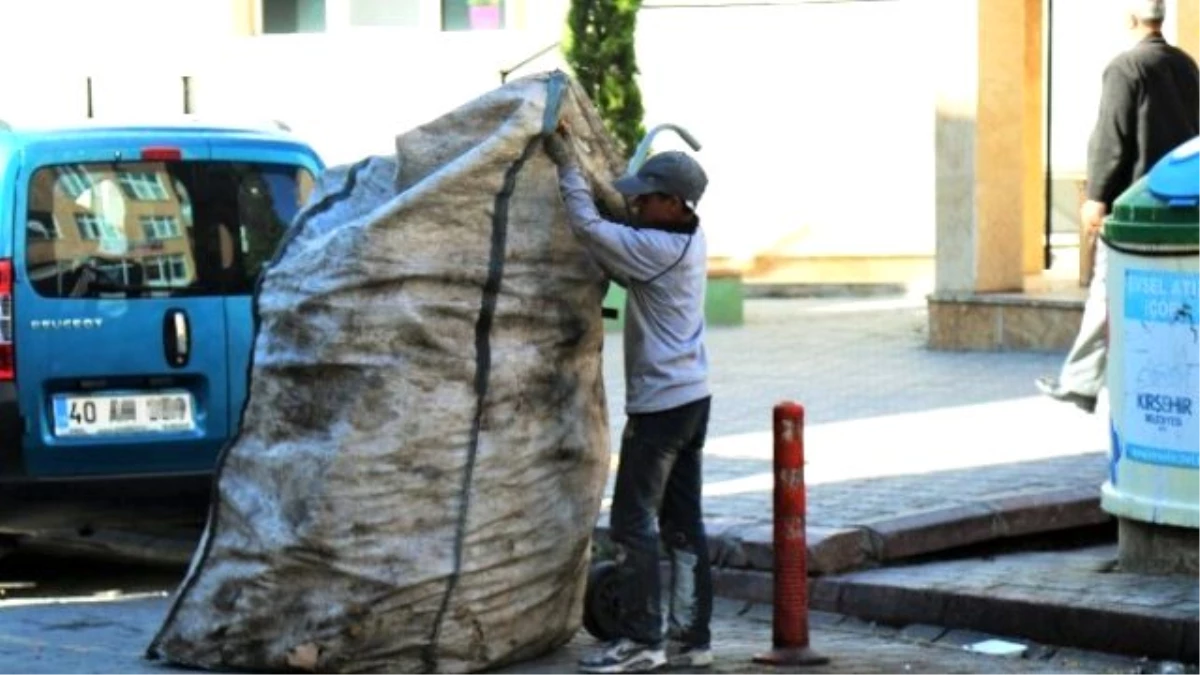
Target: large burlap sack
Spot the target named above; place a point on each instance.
(425, 446)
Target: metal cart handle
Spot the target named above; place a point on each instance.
(643, 148)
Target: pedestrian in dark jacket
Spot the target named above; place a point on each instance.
(1149, 105)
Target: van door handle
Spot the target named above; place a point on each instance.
(177, 337)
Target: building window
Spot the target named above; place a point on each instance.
(404, 13)
(142, 185)
(158, 228)
(293, 16)
(94, 228)
(43, 227)
(472, 14)
(74, 180)
(166, 270)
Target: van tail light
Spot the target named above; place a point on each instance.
(7, 362)
(161, 154)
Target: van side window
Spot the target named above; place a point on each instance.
(157, 229)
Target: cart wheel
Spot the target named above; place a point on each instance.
(601, 604)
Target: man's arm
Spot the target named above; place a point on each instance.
(1112, 149)
(626, 253)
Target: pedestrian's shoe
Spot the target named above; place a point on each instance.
(624, 656)
(1050, 387)
(683, 655)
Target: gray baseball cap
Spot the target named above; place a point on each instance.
(1148, 10)
(674, 173)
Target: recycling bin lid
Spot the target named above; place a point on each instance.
(1175, 179)
(1163, 207)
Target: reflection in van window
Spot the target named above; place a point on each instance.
(157, 229)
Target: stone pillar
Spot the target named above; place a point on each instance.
(1033, 143)
(956, 76)
(990, 179)
(990, 162)
(246, 17)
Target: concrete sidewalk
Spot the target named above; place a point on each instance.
(908, 451)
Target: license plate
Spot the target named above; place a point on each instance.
(123, 414)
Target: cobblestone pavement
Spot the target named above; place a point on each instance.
(742, 631)
(892, 427)
(107, 635)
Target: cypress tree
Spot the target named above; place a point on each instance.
(599, 47)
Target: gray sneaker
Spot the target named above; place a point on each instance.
(624, 656)
(681, 655)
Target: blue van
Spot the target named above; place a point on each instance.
(129, 257)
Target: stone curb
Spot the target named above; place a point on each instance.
(785, 290)
(993, 517)
(742, 543)
(1095, 628)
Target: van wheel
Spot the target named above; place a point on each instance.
(601, 603)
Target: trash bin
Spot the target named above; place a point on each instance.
(1153, 240)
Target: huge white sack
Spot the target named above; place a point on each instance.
(425, 446)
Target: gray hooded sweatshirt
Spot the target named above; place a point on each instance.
(664, 274)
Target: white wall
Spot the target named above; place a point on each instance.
(351, 94)
(817, 123)
(88, 32)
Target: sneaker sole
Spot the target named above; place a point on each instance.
(690, 661)
(645, 664)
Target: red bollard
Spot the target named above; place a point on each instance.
(791, 548)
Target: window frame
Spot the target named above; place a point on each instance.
(137, 184)
(105, 230)
(172, 268)
(53, 232)
(431, 18)
(151, 224)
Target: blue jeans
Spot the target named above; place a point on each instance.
(658, 492)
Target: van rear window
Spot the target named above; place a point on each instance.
(157, 229)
